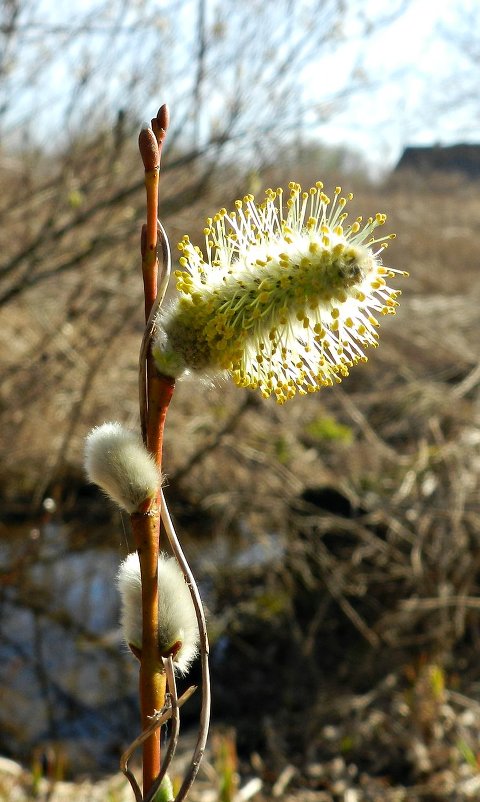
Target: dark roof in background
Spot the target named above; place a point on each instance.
(461, 158)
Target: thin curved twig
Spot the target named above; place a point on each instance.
(159, 718)
(175, 716)
(204, 652)
(150, 328)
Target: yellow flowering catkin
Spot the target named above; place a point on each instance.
(285, 299)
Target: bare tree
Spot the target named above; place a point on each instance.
(73, 85)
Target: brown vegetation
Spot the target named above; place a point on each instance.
(353, 655)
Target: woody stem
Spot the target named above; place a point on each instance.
(146, 523)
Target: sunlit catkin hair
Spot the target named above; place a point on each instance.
(177, 621)
(284, 298)
(118, 462)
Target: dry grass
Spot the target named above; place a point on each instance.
(374, 618)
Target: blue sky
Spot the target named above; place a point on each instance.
(418, 64)
(414, 71)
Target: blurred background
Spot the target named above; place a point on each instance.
(335, 539)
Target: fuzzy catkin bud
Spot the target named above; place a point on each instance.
(118, 462)
(177, 621)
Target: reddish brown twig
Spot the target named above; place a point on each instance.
(155, 395)
(146, 366)
(175, 717)
(160, 718)
(150, 143)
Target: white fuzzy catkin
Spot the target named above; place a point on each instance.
(177, 621)
(118, 462)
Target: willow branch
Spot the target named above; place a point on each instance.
(157, 720)
(164, 264)
(155, 395)
(150, 143)
(175, 716)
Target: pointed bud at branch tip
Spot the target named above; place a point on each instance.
(118, 462)
(162, 119)
(177, 621)
(163, 116)
(148, 146)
